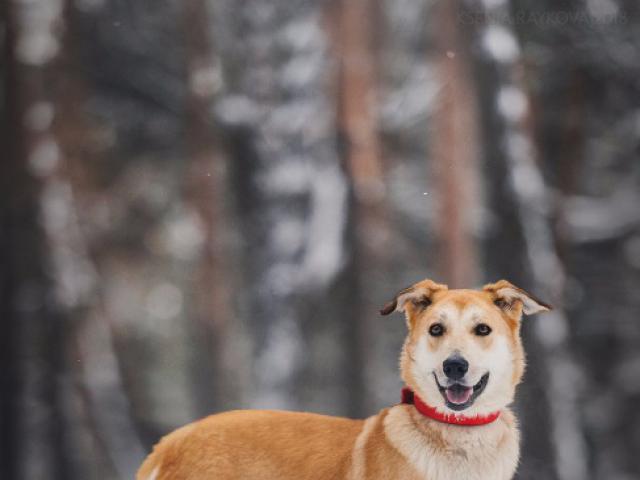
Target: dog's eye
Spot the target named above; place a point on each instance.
(436, 330)
(482, 329)
(500, 303)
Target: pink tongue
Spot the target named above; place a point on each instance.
(459, 395)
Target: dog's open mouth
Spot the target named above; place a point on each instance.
(458, 396)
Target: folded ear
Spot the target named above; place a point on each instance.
(506, 294)
(420, 294)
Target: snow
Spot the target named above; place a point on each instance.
(289, 177)
(324, 256)
(237, 110)
(36, 41)
(595, 219)
(602, 9)
(299, 71)
(292, 118)
(287, 237)
(206, 81)
(411, 102)
(500, 44)
(164, 301)
(490, 4)
(183, 235)
(75, 275)
(44, 157)
(278, 362)
(512, 103)
(552, 330)
(39, 116)
(303, 34)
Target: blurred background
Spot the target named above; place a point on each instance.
(206, 202)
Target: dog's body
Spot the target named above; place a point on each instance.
(463, 359)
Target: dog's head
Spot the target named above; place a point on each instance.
(463, 351)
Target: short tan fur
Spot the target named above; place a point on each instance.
(398, 442)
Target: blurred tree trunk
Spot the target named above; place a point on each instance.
(10, 436)
(33, 413)
(291, 199)
(204, 201)
(103, 431)
(121, 131)
(556, 376)
(205, 190)
(357, 92)
(589, 149)
(455, 150)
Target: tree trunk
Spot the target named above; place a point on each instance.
(455, 151)
(528, 191)
(291, 197)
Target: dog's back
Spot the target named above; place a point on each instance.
(241, 444)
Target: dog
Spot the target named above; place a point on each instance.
(461, 362)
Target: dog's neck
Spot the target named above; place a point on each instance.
(410, 398)
(441, 451)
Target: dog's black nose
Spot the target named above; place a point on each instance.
(455, 367)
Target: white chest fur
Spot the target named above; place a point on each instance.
(443, 452)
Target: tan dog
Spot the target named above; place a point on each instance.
(461, 361)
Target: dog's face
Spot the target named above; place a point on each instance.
(463, 352)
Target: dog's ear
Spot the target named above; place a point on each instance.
(506, 295)
(418, 295)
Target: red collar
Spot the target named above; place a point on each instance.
(410, 398)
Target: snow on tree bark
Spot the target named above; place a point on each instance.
(228, 190)
(291, 190)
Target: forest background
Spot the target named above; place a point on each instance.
(206, 202)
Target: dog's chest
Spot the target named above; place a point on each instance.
(488, 452)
